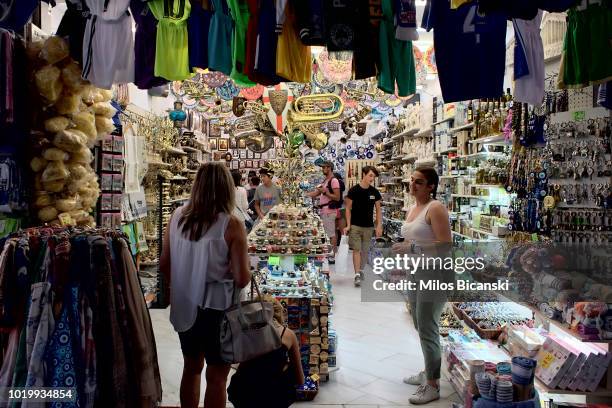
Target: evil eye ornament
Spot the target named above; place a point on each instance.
(369, 155)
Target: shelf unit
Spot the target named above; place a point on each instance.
(499, 139)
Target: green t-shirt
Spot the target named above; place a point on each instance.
(239, 11)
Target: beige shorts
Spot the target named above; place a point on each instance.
(359, 238)
(329, 224)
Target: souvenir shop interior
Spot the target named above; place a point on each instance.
(109, 108)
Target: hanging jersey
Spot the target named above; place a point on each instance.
(220, 38)
(341, 17)
(198, 28)
(145, 40)
(264, 68)
(171, 51)
(108, 44)
(293, 59)
(311, 22)
(396, 57)
(72, 27)
(528, 61)
(462, 41)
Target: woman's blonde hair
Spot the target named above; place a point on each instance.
(279, 310)
(212, 193)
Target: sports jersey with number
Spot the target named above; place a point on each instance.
(470, 50)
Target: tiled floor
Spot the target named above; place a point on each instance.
(377, 347)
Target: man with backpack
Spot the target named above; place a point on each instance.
(330, 200)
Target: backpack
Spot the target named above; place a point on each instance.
(333, 205)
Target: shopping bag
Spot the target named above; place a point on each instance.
(342, 261)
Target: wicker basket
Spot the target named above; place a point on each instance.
(306, 395)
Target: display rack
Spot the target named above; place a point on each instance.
(299, 279)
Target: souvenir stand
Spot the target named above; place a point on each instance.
(289, 249)
(530, 187)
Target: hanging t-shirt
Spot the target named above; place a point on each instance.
(172, 50)
(108, 44)
(293, 59)
(145, 40)
(587, 51)
(239, 11)
(198, 27)
(528, 61)
(463, 40)
(366, 57)
(14, 14)
(220, 38)
(363, 201)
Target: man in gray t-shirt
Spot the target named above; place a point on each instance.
(267, 194)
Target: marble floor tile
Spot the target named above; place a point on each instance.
(377, 347)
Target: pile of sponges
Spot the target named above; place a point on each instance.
(74, 116)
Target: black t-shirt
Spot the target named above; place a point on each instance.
(362, 211)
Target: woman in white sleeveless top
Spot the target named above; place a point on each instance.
(204, 255)
(427, 228)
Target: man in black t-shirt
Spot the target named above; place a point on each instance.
(360, 203)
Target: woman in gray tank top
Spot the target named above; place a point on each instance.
(427, 227)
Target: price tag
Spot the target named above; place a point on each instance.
(579, 115)
(547, 360)
(534, 237)
(300, 259)
(274, 260)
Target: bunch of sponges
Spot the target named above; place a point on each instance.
(75, 116)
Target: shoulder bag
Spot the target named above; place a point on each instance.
(247, 329)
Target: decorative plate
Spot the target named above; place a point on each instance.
(252, 93)
(393, 101)
(176, 87)
(228, 90)
(189, 102)
(214, 79)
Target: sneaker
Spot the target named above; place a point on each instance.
(416, 379)
(357, 281)
(424, 394)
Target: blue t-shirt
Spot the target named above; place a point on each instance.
(470, 50)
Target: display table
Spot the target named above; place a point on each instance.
(288, 249)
